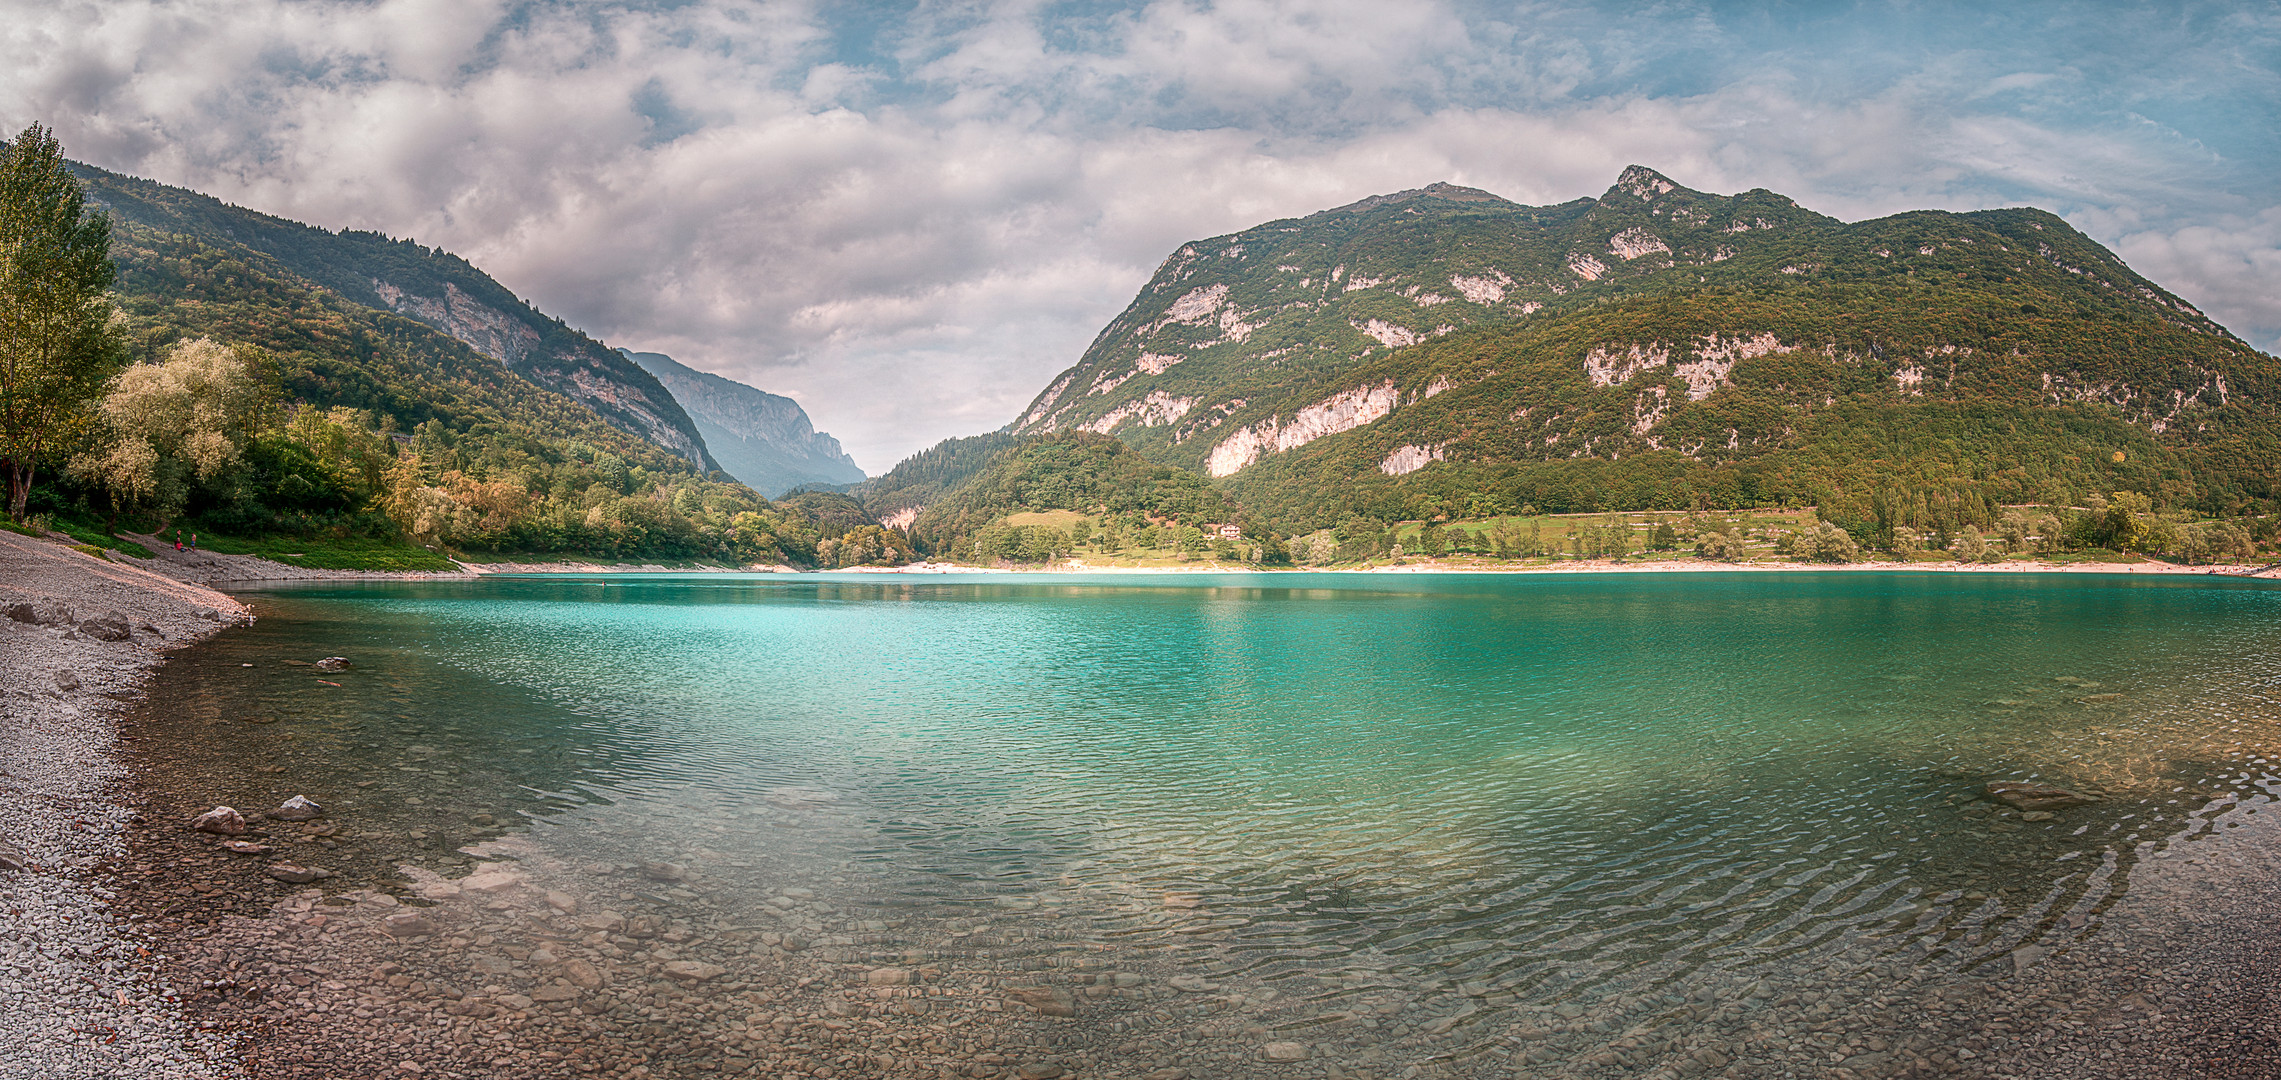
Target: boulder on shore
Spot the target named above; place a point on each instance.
(109, 626)
(221, 820)
(41, 612)
(2029, 795)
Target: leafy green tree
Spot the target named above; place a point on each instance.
(164, 426)
(56, 340)
(1833, 544)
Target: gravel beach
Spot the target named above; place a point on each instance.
(80, 638)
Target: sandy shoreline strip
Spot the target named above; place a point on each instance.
(80, 638)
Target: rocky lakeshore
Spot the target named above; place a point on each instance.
(80, 639)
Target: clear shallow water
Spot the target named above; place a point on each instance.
(1512, 791)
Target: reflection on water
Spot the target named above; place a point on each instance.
(1337, 802)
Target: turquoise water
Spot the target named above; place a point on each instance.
(1515, 788)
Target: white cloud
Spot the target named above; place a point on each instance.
(913, 232)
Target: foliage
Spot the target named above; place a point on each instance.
(56, 337)
(165, 425)
(866, 545)
(921, 480)
(1064, 471)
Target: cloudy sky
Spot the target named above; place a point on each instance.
(910, 215)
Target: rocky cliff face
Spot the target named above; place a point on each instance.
(565, 361)
(763, 439)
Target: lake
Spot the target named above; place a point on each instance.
(1377, 823)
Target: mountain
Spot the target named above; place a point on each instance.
(898, 496)
(1443, 351)
(760, 438)
(425, 285)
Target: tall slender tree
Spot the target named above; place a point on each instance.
(56, 341)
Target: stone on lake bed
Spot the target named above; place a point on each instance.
(247, 847)
(2038, 815)
(1047, 1000)
(1284, 1051)
(888, 976)
(298, 808)
(491, 881)
(294, 874)
(665, 871)
(555, 992)
(582, 973)
(333, 663)
(221, 820)
(1192, 984)
(408, 924)
(605, 921)
(693, 970)
(2030, 795)
(562, 902)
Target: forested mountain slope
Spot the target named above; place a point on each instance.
(173, 240)
(763, 439)
(1445, 351)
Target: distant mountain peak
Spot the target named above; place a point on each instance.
(763, 439)
(1644, 184)
(1439, 189)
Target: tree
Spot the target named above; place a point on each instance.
(163, 425)
(56, 340)
(1719, 546)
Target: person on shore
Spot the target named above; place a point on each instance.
(177, 539)
(193, 541)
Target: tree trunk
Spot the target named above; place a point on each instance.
(19, 489)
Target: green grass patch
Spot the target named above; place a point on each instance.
(357, 553)
(20, 530)
(1052, 519)
(90, 549)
